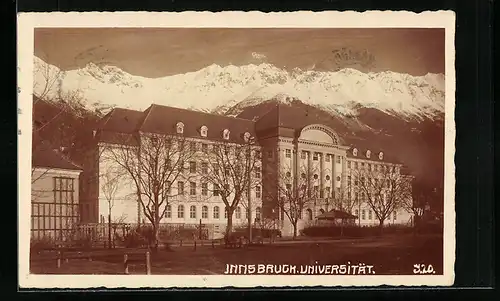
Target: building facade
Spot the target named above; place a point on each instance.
(285, 142)
(55, 206)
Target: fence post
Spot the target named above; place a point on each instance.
(195, 245)
(213, 244)
(148, 263)
(181, 243)
(125, 263)
(58, 259)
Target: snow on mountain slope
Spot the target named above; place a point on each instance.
(217, 89)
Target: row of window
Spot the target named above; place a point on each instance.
(193, 214)
(216, 190)
(371, 215)
(326, 192)
(315, 176)
(361, 196)
(193, 167)
(203, 130)
(371, 181)
(316, 155)
(372, 167)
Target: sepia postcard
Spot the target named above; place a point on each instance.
(236, 149)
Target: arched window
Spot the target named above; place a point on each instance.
(257, 213)
(381, 156)
(180, 211)
(238, 212)
(192, 211)
(204, 131)
(216, 212)
(368, 153)
(204, 212)
(168, 211)
(309, 215)
(179, 127)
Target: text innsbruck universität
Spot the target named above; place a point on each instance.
(292, 269)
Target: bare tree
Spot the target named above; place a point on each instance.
(383, 188)
(110, 184)
(153, 163)
(231, 171)
(292, 194)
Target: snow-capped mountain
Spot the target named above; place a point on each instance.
(226, 89)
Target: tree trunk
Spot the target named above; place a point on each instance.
(109, 231)
(381, 226)
(229, 227)
(156, 237)
(294, 230)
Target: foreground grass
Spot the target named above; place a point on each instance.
(388, 255)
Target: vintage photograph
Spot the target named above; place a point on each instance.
(277, 152)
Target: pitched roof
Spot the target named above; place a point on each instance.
(46, 155)
(163, 119)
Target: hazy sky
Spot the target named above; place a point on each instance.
(160, 52)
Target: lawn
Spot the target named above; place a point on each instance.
(388, 255)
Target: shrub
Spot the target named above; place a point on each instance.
(354, 231)
(40, 244)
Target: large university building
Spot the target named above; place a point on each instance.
(294, 151)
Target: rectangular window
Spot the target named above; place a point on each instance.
(257, 154)
(327, 158)
(321, 194)
(348, 164)
(192, 188)
(192, 147)
(216, 190)
(168, 187)
(315, 191)
(288, 187)
(257, 192)
(180, 167)
(204, 168)
(257, 172)
(204, 212)
(338, 159)
(369, 214)
(192, 167)
(180, 187)
(270, 154)
(192, 212)
(168, 211)
(315, 156)
(348, 195)
(204, 148)
(288, 153)
(394, 215)
(363, 214)
(327, 190)
(303, 154)
(355, 165)
(204, 189)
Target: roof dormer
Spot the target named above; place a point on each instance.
(204, 131)
(225, 134)
(246, 136)
(355, 152)
(368, 154)
(179, 127)
(381, 156)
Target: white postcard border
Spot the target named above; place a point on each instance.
(301, 19)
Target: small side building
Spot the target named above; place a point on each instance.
(54, 193)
